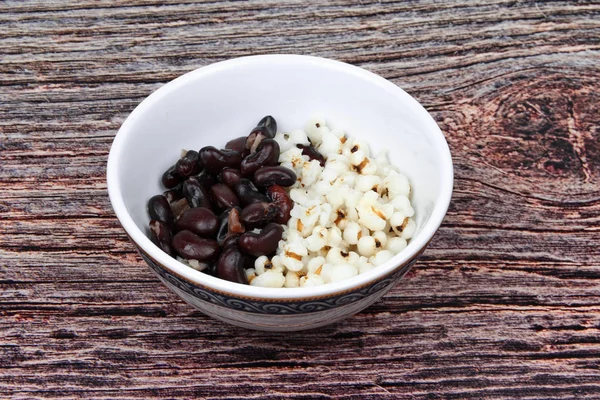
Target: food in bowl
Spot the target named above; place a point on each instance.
(274, 209)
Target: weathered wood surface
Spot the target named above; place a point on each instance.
(504, 304)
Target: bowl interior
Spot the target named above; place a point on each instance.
(214, 104)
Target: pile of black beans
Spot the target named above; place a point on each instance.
(224, 208)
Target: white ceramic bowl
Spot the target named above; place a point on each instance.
(216, 103)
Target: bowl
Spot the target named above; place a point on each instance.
(219, 102)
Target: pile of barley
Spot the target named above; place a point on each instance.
(349, 216)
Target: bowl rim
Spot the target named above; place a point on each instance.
(415, 246)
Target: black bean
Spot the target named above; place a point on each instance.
(266, 129)
(231, 240)
(231, 265)
(174, 194)
(230, 176)
(206, 180)
(214, 160)
(223, 197)
(239, 145)
(263, 243)
(312, 153)
(280, 197)
(269, 126)
(201, 221)
(267, 154)
(267, 176)
(160, 210)
(222, 232)
(247, 192)
(192, 247)
(257, 215)
(170, 178)
(189, 164)
(195, 194)
(161, 236)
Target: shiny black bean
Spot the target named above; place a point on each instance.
(312, 153)
(174, 194)
(267, 125)
(192, 247)
(195, 194)
(247, 193)
(265, 129)
(189, 164)
(223, 227)
(170, 178)
(270, 125)
(161, 236)
(201, 221)
(267, 176)
(263, 243)
(239, 145)
(214, 160)
(230, 241)
(267, 154)
(231, 265)
(160, 210)
(206, 180)
(280, 197)
(257, 215)
(230, 176)
(223, 197)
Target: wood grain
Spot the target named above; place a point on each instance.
(504, 304)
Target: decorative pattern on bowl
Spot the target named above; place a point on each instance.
(281, 306)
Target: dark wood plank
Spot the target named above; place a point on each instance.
(504, 304)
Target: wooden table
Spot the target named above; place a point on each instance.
(504, 304)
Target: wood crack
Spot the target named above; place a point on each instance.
(577, 139)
